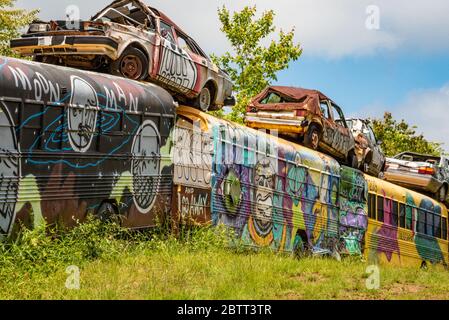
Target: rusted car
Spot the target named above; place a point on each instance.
(131, 39)
(368, 147)
(424, 173)
(306, 116)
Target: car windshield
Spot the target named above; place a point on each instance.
(272, 98)
(128, 14)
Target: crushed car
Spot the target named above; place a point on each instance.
(130, 39)
(305, 116)
(368, 147)
(421, 172)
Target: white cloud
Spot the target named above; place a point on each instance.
(326, 28)
(426, 109)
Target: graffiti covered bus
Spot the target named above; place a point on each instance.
(287, 197)
(75, 142)
(405, 227)
(271, 192)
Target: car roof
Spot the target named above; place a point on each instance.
(295, 93)
(301, 98)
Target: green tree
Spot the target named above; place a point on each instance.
(252, 66)
(399, 137)
(11, 20)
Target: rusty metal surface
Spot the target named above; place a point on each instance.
(301, 99)
(182, 71)
(72, 140)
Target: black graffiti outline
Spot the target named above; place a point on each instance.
(144, 201)
(7, 209)
(85, 128)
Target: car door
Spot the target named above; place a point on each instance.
(176, 67)
(342, 140)
(329, 128)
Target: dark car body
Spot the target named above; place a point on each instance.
(306, 115)
(131, 39)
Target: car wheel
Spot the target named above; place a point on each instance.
(132, 64)
(204, 100)
(107, 212)
(312, 138)
(442, 193)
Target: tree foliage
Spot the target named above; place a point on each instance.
(252, 66)
(399, 137)
(11, 20)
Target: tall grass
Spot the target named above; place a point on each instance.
(206, 263)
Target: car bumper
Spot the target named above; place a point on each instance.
(60, 45)
(414, 181)
(282, 125)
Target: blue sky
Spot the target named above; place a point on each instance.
(401, 65)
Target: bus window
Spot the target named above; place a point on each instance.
(408, 217)
(429, 224)
(380, 209)
(437, 226)
(372, 206)
(402, 215)
(421, 223)
(394, 214)
(444, 228)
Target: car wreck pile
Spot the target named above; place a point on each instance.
(135, 41)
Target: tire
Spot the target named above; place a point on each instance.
(352, 160)
(301, 247)
(442, 193)
(204, 100)
(107, 212)
(132, 64)
(312, 137)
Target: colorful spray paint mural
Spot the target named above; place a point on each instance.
(76, 142)
(405, 227)
(269, 191)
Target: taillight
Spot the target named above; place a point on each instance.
(426, 170)
(300, 113)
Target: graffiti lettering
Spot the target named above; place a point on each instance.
(193, 205)
(113, 100)
(192, 157)
(42, 87)
(177, 68)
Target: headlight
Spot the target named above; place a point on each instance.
(38, 27)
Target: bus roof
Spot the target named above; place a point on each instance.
(399, 193)
(207, 122)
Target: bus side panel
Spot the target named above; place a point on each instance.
(272, 194)
(413, 242)
(353, 210)
(83, 139)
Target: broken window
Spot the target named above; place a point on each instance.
(272, 98)
(167, 32)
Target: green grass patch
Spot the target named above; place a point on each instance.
(116, 263)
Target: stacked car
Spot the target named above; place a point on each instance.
(425, 173)
(133, 40)
(136, 41)
(311, 118)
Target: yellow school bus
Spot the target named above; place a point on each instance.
(404, 227)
